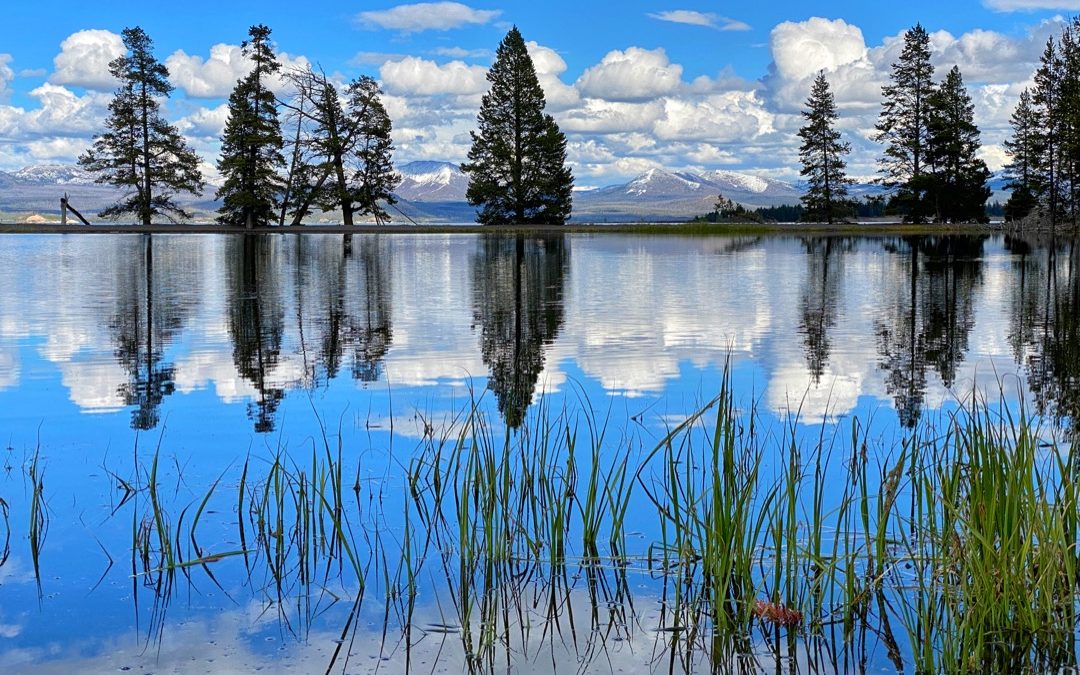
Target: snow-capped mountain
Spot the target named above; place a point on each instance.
(664, 195)
(52, 174)
(435, 192)
(432, 182)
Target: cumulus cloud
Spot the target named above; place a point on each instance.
(632, 75)
(216, 75)
(421, 77)
(988, 56)
(60, 112)
(462, 53)
(693, 18)
(84, 59)
(549, 67)
(6, 76)
(1030, 5)
(800, 50)
(721, 118)
(205, 122)
(426, 16)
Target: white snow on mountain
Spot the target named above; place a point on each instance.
(432, 182)
(53, 174)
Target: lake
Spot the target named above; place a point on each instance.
(239, 452)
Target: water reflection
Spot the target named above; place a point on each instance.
(342, 307)
(518, 309)
(820, 299)
(927, 320)
(257, 320)
(150, 312)
(128, 323)
(1045, 324)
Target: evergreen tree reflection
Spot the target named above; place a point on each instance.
(928, 324)
(343, 307)
(256, 321)
(1045, 325)
(518, 305)
(153, 300)
(819, 299)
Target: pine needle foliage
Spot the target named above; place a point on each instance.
(517, 164)
(140, 152)
(251, 158)
(823, 158)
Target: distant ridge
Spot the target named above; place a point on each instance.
(434, 191)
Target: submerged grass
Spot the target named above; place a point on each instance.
(954, 549)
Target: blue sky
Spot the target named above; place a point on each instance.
(636, 85)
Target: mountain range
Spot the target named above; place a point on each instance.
(432, 191)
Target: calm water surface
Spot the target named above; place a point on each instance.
(211, 350)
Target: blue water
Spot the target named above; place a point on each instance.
(214, 349)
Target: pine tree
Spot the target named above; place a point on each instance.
(251, 145)
(346, 151)
(1069, 125)
(822, 155)
(1023, 147)
(1046, 99)
(140, 151)
(958, 187)
(902, 125)
(374, 178)
(517, 164)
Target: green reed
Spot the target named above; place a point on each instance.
(38, 526)
(960, 534)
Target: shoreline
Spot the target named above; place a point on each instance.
(678, 229)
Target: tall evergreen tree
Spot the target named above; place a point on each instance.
(1069, 125)
(902, 126)
(517, 164)
(958, 188)
(140, 151)
(374, 178)
(251, 145)
(1047, 100)
(1023, 148)
(822, 155)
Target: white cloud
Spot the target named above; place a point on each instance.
(694, 18)
(597, 116)
(632, 75)
(462, 53)
(207, 78)
(6, 76)
(1030, 5)
(800, 50)
(722, 118)
(549, 67)
(215, 76)
(987, 56)
(60, 112)
(205, 122)
(426, 16)
(84, 59)
(420, 77)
